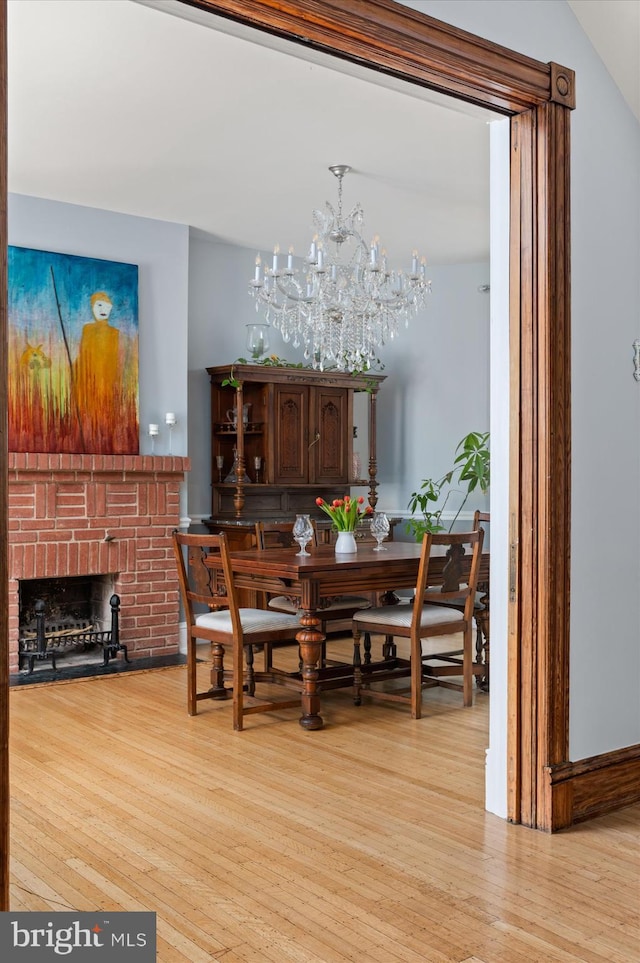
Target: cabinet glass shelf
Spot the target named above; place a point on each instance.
(253, 428)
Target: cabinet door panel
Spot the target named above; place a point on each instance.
(291, 434)
(329, 451)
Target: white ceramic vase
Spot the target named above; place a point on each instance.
(346, 543)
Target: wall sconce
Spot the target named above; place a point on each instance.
(170, 421)
(154, 431)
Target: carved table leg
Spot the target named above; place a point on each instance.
(310, 640)
(217, 690)
(367, 648)
(357, 666)
(251, 681)
(389, 648)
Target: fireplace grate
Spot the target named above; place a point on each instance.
(43, 641)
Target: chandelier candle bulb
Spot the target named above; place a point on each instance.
(258, 263)
(290, 260)
(276, 251)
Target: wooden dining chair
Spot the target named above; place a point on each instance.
(206, 583)
(419, 620)
(339, 608)
(480, 614)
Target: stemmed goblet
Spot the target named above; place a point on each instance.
(302, 532)
(380, 529)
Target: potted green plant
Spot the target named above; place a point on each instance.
(471, 468)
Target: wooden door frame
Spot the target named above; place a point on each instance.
(398, 41)
(393, 39)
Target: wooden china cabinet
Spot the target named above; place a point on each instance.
(282, 437)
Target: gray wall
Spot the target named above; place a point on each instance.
(219, 308)
(161, 251)
(605, 201)
(437, 370)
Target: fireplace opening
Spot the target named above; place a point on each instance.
(73, 619)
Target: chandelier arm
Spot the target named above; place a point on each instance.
(297, 295)
(408, 298)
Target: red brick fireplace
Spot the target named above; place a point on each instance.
(103, 515)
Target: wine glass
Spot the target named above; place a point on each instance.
(302, 532)
(379, 529)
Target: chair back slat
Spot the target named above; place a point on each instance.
(232, 595)
(453, 589)
(482, 520)
(204, 580)
(205, 576)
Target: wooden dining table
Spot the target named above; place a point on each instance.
(322, 575)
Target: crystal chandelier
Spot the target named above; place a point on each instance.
(344, 303)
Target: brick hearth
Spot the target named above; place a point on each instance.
(62, 506)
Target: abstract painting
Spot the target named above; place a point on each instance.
(73, 353)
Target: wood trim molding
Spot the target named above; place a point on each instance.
(554, 447)
(405, 43)
(563, 86)
(594, 786)
(522, 487)
(540, 259)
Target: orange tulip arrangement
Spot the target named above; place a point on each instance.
(345, 513)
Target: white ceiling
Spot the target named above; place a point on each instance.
(613, 27)
(123, 105)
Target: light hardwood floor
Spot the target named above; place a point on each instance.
(365, 841)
